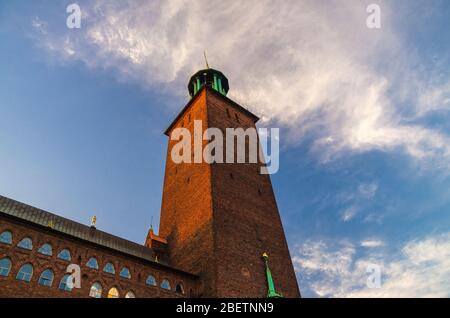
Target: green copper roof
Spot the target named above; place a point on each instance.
(271, 292)
(209, 77)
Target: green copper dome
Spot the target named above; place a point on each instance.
(209, 77)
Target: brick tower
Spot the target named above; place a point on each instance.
(221, 220)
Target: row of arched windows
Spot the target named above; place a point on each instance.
(27, 244)
(46, 279)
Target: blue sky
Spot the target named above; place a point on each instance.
(363, 114)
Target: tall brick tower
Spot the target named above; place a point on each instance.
(220, 219)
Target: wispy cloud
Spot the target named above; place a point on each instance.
(356, 199)
(421, 268)
(349, 213)
(372, 243)
(311, 67)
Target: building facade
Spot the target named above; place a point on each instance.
(219, 225)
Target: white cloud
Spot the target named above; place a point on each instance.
(372, 243)
(420, 268)
(311, 67)
(368, 190)
(349, 213)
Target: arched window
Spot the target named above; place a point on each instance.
(179, 289)
(64, 255)
(6, 237)
(63, 284)
(45, 249)
(130, 294)
(5, 266)
(165, 284)
(151, 280)
(26, 243)
(113, 293)
(25, 273)
(96, 290)
(92, 263)
(109, 268)
(46, 278)
(125, 273)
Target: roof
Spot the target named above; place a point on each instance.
(209, 90)
(74, 229)
(206, 77)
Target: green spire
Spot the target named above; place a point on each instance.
(271, 293)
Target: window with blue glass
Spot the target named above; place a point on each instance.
(63, 284)
(46, 278)
(109, 268)
(6, 237)
(5, 266)
(64, 255)
(151, 280)
(45, 249)
(25, 273)
(165, 284)
(92, 263)
(125, 273)
(26, 243)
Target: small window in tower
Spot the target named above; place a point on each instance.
(237, 117)
(259, 192)
(188, 179)
(189, 116)
(228, 113)
(182, 123)
(231, 176)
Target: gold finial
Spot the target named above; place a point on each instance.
(206, 60)
(50, 224)
(265, 255)
(93, 221)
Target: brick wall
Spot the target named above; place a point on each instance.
(220, 218)
(80, 254)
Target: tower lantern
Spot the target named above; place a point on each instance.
(209, 77)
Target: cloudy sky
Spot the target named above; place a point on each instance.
(363, 114)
